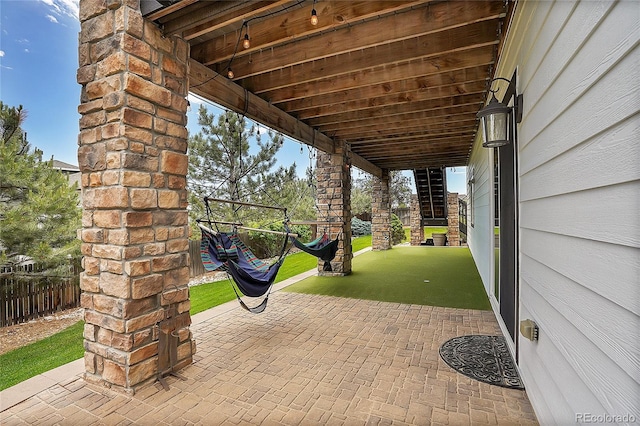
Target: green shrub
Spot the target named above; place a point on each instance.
(265, 244)
(397, 230)
(360, 227)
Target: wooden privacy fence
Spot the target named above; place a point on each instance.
(196, 268)
(25, 296)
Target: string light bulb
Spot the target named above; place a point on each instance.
(314, 17)
(246, 43)
(230, 73)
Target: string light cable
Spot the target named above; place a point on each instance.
(246, 42)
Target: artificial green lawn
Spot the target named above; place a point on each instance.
(400, 275)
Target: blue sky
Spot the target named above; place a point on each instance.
(38, 64)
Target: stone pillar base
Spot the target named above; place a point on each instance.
(333, 274)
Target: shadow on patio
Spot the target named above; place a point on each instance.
(309, 359)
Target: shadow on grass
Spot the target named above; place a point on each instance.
(435, 276)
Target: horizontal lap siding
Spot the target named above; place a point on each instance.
(579, 174)
(480, 232)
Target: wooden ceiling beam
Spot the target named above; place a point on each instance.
(413, 125)
(381, 138)
(427, 146)
(397, 109)
(188, 17)
(405, 120)
(443, 160)
(398, 86)
(413, 137)
(222, 91)
(463, 122)
(406, 98)
(358, 137)
(160, 13)
(425, 139)
(449, 159)
(429, 46)
(410, 124)
(293, 25)
(418, 158)
(390, 32)
(479, 56)
(425, 143)
(438, 162)
(228, 18)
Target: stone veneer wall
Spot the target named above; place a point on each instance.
(381, 213)
(453, 218)
(334, 205)
(132, 156)
(417, 230)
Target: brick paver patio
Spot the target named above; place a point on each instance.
(307, 360)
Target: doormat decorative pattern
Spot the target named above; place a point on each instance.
(483, 358)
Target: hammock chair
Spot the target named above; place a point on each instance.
(225, 251)
(323, 248)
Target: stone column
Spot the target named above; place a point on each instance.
(381, 213)
(132, 156)
(334, 205)
(417, 230)
(453, 219)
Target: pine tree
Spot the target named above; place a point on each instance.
(39, 210)
(222, 165)
(399, 189)
(399, 192)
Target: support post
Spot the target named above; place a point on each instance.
(381, 213)
(334, 203)
(417, 230)
(132, 155)
(453, 219)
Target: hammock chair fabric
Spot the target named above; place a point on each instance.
(253, 277)
(322, 247)
(226, 252)
(215, 250)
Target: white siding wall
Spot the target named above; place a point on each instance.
(579, 173)
(480, 232)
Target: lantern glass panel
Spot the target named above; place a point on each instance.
(495, 126)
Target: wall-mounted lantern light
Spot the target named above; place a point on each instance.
(495, 116)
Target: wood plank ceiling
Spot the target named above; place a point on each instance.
(398, 81)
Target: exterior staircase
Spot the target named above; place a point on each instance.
(431, 185)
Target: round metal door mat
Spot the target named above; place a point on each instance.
(483, 358)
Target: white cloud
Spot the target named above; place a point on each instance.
(70, 8)
(52, 19)
(1, 53)
(6, 68)
(26, 51)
